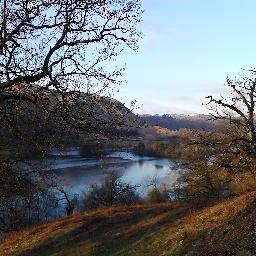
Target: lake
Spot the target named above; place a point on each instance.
(78, 172)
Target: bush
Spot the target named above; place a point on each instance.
(112, 191)
(156, 196)
(140, 149)
(243, 182)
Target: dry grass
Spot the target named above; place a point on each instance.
(227, 228)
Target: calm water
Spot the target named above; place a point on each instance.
(78, 172)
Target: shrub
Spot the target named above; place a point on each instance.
(157, 195)
(112, 191)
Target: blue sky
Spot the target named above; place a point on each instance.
(188, 49)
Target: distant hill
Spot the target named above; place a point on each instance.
(68, 117)
(224, 228)
(106, 115)
(176, 122)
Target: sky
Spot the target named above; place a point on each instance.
(188, 49)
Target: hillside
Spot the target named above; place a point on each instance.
(226, 228)
(68, 118)
(176, 122)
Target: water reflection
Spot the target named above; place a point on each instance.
(79, 172)
(141, 162)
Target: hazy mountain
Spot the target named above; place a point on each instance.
(176, 122)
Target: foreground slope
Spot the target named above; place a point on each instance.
(226, 228)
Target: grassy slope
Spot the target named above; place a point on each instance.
(227, 228)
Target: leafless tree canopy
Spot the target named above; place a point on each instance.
(239, 108)
(62, 44)
(51, 48)
(52, 71)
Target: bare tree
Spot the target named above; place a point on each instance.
(62, 44)
(49, 48)
(52, 73)
(222, 162)
(239, 109)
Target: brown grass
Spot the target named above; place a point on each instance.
(226, 228)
